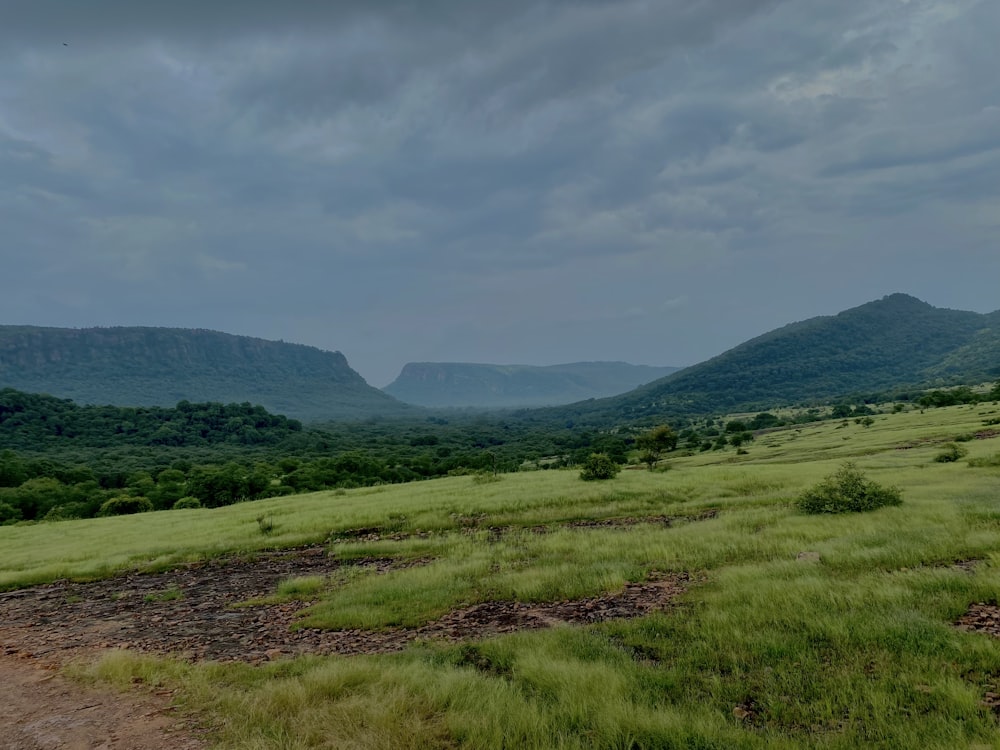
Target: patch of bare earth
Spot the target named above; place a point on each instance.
(189, 613)
(41, 710)
(984, 617)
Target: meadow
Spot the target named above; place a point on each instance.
(796, 631)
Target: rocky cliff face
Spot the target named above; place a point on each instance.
(161, 366)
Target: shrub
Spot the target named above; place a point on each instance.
(599, 466)
(8, 513)
(124, 505)
(985, 461)
(485, 477)
(847, 490)
(67, 512)
(951, 453)
(187, 502)
(265, 524)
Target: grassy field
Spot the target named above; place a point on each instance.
(851, 644)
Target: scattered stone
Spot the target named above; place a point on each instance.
(968, 566)
(213, 621)
(981, 617)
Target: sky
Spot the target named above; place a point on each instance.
(653, 181)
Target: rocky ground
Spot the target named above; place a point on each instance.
(189, 612)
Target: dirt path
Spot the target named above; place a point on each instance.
(41, 710)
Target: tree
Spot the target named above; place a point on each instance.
(654, 443)
(125, 505)
(12, 470)
(763, 421)
(599, 466)
(8, 513)
(841, 411)
(36, 497)
(171, 485)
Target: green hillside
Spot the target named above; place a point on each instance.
(452, 384)
(694, 608)
(161, 366)
(895, 343)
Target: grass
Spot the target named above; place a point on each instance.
(851, 645)
(167, 595)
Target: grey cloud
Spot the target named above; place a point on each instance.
(922, 144)
(379, 177)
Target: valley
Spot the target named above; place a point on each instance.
(693, 601)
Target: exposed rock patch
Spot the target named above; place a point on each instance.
(189, 612)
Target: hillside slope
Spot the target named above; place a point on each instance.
(893, 343)
(133, 366)
(451, 384)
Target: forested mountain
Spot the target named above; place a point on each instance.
(449, 384)
(161, 366)
(887, 345)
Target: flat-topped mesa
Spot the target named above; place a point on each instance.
(141, 366)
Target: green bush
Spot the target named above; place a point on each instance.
(485, 477)
(599, 466)
(125, 505)
(952, 452)
(67, 512)
(8, 513)
(847, 490)
(985, 461)
(187, 502)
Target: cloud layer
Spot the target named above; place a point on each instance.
(509, 182)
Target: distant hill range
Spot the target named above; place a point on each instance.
(881, 347)
(450, 384)
(162, 366)
(891, 344)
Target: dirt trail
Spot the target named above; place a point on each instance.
(41, 710)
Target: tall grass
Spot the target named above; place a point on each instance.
(801, 631)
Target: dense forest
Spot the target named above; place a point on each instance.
(63, 460)
(59, 460)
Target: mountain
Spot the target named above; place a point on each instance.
(450, 384)
(893, 343)
(161, 366)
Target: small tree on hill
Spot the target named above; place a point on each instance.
(654, 443)
(599, 466)
(125, 505)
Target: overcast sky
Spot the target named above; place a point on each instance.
(510, 182)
